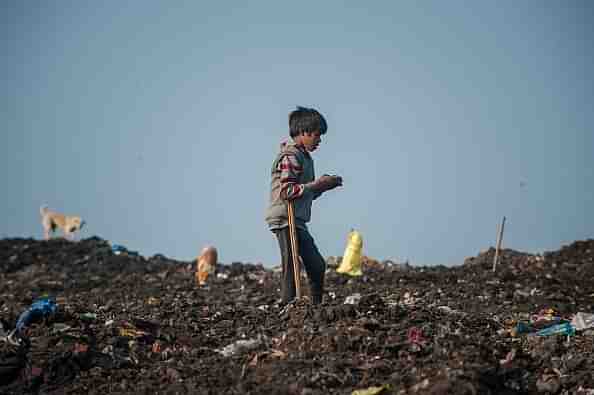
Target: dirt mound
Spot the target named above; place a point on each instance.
(126, 323)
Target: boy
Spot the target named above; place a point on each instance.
(293, 179)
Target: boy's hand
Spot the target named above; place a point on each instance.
(326, 183)
(337, 180)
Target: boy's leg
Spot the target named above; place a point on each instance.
(287, 280)
(314, 263)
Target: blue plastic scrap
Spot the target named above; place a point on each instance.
(40, 309)
(118, 248)
(560, 329)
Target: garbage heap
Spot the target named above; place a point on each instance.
(132, 324)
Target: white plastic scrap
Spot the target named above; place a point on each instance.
(408, 299)
(353, 299)
(241, 346)
(583, 321)
(449, 310)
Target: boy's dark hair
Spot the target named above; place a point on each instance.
(306, 120)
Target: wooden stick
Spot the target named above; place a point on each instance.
(294, 249)
(499, 240)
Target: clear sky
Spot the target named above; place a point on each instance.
(158, 121)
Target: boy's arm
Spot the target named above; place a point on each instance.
(290, 169)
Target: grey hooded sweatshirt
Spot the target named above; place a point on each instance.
(276, 214)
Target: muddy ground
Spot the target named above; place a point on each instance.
(132, 324)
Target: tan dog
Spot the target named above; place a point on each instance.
(51, 220)
(207, 262)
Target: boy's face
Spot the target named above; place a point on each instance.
(311, 141)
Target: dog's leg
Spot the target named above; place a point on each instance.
(46, 228)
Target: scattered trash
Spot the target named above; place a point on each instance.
(546, 315)
(38, 311)
(508, 358)
(353, 299)
(131, 332)
(88, 317)
(408, 299)
(59, 327)
(372, 390)
(152, 301)
(423, 330)
(156, 347)
(546, 318)
(119, 249)
(582, 321)
(241, 346)
(415, 336)
(351, 261)
(521, 328)
(560, 329)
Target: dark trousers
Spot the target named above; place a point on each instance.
(314, 263)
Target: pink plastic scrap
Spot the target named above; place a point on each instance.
(415, 336)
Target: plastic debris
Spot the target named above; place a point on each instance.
(206, 264)
(88, 316)
(521, 328)
(353, 299)
(582, 321)
(560, 329)
(465, 314)
(152, 301)
(415, 336)
(508, 358)
(372, 390)
(59, 327)
(39, 310)
(131, 332)
(156, 347)
(117, 249)
(351, 261)
(241, 346)
(546, 315)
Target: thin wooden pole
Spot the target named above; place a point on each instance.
(294, 249)
(499, 240)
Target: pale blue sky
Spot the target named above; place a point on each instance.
(158, 121)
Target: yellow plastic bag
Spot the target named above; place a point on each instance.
(351, 261)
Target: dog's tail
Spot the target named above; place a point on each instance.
(43, 210)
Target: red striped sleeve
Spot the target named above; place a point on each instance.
(290, 170)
